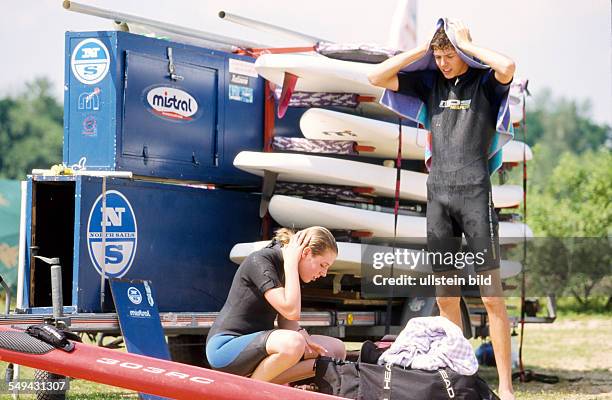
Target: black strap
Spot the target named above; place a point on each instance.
(523, 272)
(53, 336)
(398, 168)
(528, 376)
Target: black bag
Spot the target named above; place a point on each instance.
(337, 377)
(393, 382)
(366, 380)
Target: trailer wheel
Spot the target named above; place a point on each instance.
(46, 376)
(188, 349)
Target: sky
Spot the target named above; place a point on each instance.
(563, 45)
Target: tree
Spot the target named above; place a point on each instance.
(556, 126)
(564, 124)
(31, 130)
(573, 211)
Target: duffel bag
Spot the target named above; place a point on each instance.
(392, 382)
(365, 380)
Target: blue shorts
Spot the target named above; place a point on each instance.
(238, 355)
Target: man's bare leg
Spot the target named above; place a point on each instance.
(450, 308)
(499, 330)
(449, 300)
(500, 336)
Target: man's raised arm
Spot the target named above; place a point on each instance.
(385, 74)
(503, 66)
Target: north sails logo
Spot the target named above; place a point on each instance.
(134, 295)
(455, 104)
(90, 61)
(172, 103)
(114, 251)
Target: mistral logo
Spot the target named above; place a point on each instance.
(172, 103)
(115, 253)
(140, 313)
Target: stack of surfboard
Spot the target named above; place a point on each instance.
(321, 74)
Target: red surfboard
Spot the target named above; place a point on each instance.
(144, 374)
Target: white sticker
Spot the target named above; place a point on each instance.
(239, 79)
(242, 68)
(90, 61)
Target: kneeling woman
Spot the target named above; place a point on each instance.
(243, 339)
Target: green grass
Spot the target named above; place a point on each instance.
(576, 349)
(597, 305)
(567, 307)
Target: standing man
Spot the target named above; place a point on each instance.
(462, 106)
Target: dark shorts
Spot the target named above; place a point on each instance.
(462, 209)
(238, 355)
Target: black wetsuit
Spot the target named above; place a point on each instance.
(462, 116)
(236, 342)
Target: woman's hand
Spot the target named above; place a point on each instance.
(312, 349)
(294, 249)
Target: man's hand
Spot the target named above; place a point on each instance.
(462, 33)
(503, 66)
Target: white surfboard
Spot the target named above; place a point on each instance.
(294, 212)
(347, 262)
(317, 73)
(305, 168)
(512, 152)
(322, 124)
(350, 257)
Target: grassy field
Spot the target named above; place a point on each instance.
(578, 349)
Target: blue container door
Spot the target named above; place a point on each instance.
(169, 121)
(177, 237)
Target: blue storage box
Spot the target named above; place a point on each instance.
(179, 237)
(160, 109)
